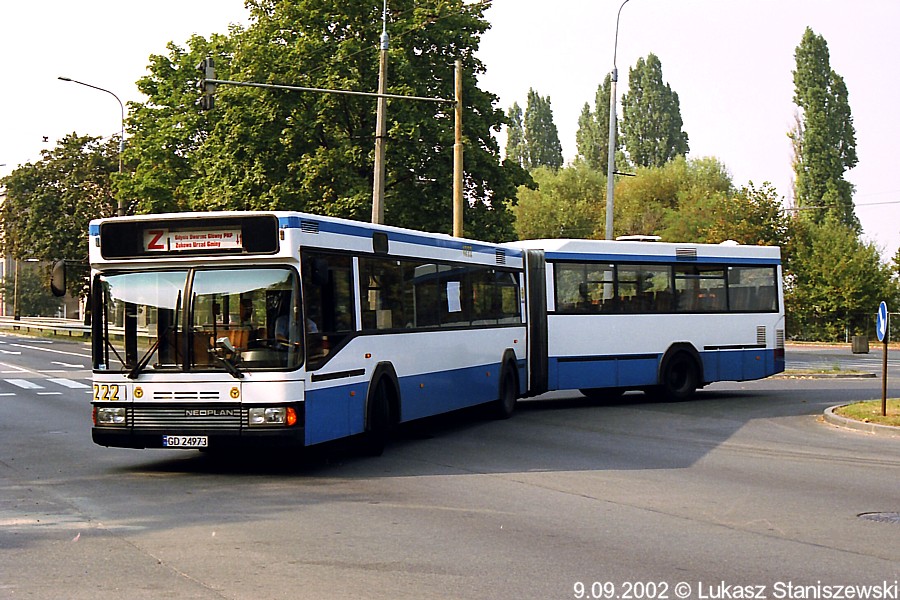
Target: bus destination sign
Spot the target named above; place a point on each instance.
(193, 240)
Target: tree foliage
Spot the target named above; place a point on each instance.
(592, 136)
(515, 136)
(542, 147)
(649, 202)
(50, 202)
(567, 203)
(166, 167)
(751, 215)
(834, 281)
(651, 116)
(276, 149)
(26, 289)
(824, 138)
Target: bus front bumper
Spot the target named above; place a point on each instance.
(126, 425)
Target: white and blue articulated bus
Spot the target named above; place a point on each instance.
(660, 317)
(212, 330)
(220, 329)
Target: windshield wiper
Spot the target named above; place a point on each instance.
(224, 344)
(145, 359)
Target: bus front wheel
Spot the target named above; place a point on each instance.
(505, 405)
(378, 418)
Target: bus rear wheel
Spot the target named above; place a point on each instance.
(680, 378)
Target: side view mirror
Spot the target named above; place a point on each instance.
(225, 344)
(224, 348)
(58, 278)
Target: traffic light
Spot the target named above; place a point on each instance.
(207, 87)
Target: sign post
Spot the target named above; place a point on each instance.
(882, 328)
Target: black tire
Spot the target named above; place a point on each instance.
(378, 421)
(505, 405)
(679, 378)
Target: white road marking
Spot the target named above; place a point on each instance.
(26, 384)
(17, 369)
(69, 383)
(51, 350)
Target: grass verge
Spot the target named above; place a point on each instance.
(870, 412)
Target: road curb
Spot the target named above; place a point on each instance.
(873, 428)
(786, 375)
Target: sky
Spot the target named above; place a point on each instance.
(730, 62)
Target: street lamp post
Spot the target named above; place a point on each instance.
(121, 207)
(611, 159)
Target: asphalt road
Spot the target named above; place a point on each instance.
(743, 487)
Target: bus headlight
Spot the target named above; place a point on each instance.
(267, 417)
(107, 415)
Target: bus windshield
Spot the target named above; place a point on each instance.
(198, 320)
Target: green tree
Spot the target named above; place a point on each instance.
(651, 116)
(824, 138)
(542, 147)
(28, 291)
(567, 203)
(750, 215)
(515, 136)
(834, 281)
(49, 203)
(165, 168)
(592, 136)
(268, 149)
(644, 203)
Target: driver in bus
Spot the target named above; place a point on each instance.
(248, 322)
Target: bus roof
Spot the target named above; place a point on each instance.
(305, 228)
(572, 249)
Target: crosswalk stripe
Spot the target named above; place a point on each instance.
(26, 384)
(69, 383)
(31, 384)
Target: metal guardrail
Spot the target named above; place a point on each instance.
(46, 325)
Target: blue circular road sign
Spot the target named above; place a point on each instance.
(881, 323)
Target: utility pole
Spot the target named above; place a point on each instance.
(458, 157)
(380, 126)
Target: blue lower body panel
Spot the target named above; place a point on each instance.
(740, 365)
(642, 370)
(338, 412)
(335, 412)
(603, 371)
